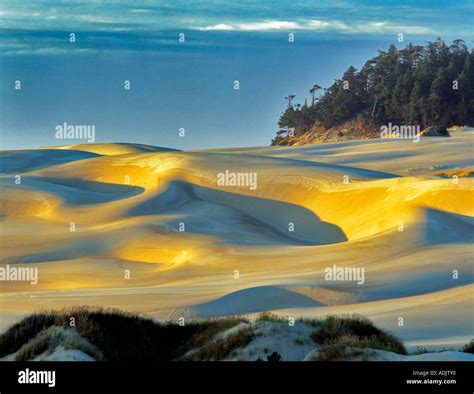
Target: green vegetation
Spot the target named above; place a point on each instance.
(469, 347)
(426, 86)
(221, 348)
(217, 326)
(345, 348)
(47, 341)
(270, 317)
(119, 335)
(421, 350)
(113, 335)
(338, 335)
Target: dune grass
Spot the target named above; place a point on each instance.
(48, 339)
(218, 325)
(345, 348)
(114, 335)
(40, 344)
(221, 348)
(270, 317)
(119, 335)
(341, 336)
(23, 331)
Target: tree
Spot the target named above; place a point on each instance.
(439, 98)
(313, 91)
(290, 97)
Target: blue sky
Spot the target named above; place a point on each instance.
(190, 84)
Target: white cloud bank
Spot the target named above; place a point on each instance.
(254, 26)
(318, 25)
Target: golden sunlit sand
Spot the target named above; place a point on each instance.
(149, 230)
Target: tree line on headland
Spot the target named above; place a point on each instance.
(430, 85)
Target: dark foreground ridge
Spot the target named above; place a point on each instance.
(97, 334)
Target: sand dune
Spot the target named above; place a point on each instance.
(371, 204)
(257, 299)
(115, 149)
(18, 162)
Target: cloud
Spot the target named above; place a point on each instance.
(254, 26)
(220, 26)
(319, 25)
(44, 51)
(19, 14)
(139, 11)
(386, 27)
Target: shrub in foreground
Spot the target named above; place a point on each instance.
(357, 331)
(119, 335)
(468, 347)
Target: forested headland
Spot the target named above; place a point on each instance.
(431, 85)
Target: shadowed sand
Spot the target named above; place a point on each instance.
(346, 201)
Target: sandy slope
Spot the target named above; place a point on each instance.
(127, 202)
